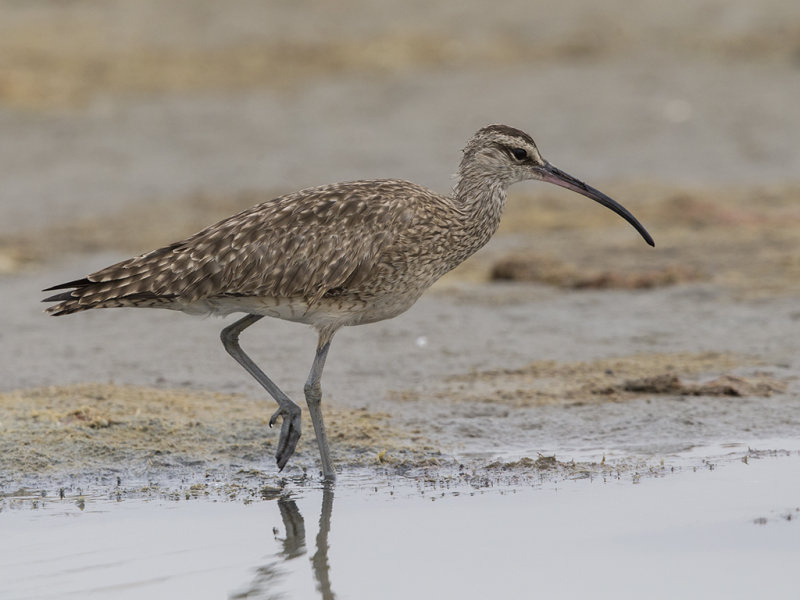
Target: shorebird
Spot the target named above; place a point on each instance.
(329, 256)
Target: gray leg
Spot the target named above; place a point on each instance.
(313, 392)
(290, 429)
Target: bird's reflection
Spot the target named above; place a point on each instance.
(319, 561)
(294, 546)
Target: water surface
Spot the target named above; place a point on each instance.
(705, 528)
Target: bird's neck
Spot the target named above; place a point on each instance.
(480, 200)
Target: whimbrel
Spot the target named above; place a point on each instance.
(341, 254)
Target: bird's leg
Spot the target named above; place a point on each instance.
(313, 392)
(290, 429)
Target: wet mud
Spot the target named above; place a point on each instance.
(103, 433)
(134, 437)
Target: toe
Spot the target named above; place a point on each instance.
(274, 418)
(290, 435)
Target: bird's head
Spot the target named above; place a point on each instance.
(509, 155)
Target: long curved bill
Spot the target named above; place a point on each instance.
(551, 174)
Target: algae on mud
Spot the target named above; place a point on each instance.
(105, 430)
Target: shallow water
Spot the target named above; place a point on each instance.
(706, 527)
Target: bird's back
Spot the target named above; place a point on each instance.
(355, 240)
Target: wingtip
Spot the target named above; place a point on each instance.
(70, 284)
(63, 296)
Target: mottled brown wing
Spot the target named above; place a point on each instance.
(301, 245)
(298, 245)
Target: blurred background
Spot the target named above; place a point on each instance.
(126, 125)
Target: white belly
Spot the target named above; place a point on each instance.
(326, 313)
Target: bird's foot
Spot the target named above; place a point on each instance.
(290, 432)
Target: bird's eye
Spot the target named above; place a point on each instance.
(519, 153)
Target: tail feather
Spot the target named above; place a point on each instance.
(127, 283)
(69, 301)
(79, 299)
(84, 294)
